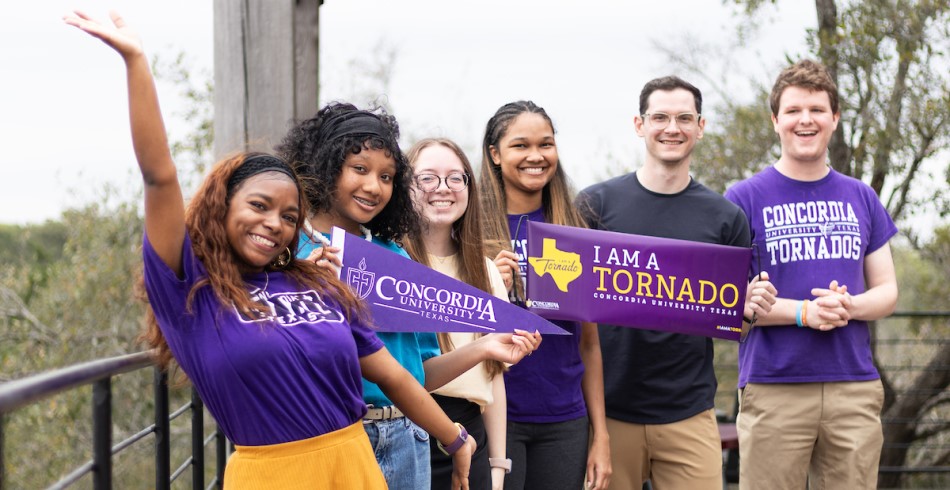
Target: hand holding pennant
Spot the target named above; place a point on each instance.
(405, 296)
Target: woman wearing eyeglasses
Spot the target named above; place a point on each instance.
(556, 398)
(446, 197)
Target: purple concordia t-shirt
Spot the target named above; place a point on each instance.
(545, 387)
(808, 234)
(290, 375)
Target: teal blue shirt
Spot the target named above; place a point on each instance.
(409, 349)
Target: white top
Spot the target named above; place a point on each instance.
(474, 385)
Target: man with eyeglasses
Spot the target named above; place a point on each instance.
(811, 397)
(659, 387)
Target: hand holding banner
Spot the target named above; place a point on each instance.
(405, 296)
(636, 281)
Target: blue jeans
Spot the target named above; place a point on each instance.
(402, 450)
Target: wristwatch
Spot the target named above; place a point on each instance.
(456, 444)
(504, 463)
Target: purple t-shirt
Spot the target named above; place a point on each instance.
(290, 375)
(545, 387)
(410, 349)
(808, 234)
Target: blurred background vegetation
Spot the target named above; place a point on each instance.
(66, 296)
(66, 285)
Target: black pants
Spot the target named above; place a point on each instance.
(547, 456)
(470, 415)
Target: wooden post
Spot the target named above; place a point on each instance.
(265, 70)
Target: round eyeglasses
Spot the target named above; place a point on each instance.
(454, 182)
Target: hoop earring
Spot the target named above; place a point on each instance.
(281, 262)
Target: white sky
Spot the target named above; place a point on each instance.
(63, 97)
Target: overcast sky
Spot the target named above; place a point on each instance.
(63, 97)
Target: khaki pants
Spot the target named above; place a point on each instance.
(827, 432)
(680, 455)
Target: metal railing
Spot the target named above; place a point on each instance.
(99, 373)
(727, 370)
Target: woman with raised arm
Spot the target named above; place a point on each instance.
(275, 346)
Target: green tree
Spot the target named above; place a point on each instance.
(66, 297)
(890, 61)
(891, 64)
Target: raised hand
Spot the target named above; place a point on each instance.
(116, 33)
(164, 206)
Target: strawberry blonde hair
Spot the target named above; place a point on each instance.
(205, 223)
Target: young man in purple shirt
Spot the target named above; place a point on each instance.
(810, 395)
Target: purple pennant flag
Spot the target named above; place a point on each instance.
(405, 296)
(636, 281)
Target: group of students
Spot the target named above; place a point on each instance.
(243, 294)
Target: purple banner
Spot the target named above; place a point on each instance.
(636, 281)
(405, 296)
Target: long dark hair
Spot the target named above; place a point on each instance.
(556, 198)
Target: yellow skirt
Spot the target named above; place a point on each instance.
(341, 459)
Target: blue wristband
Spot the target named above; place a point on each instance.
(798, 314)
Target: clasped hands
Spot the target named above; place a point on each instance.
(831, 307)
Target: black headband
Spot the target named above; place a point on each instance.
(256, 165)
(351, 123)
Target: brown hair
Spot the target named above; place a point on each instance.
(807, 74)
(669, 84)
(205, 223)
(467, 232)
(556, 197)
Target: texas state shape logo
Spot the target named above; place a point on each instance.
(563, 266)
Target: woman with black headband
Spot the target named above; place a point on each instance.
(361, 183)
(275, 346)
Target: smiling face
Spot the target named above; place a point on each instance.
(804, 125)
(670, 145)
(363, 188)
(528, 157)
(441, 207)
(262, 219)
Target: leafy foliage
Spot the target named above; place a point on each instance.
(195, 90)
(890, 61)
(67, 298)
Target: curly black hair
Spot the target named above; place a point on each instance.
(320, 167)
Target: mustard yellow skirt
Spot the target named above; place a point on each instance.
(341, 459)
